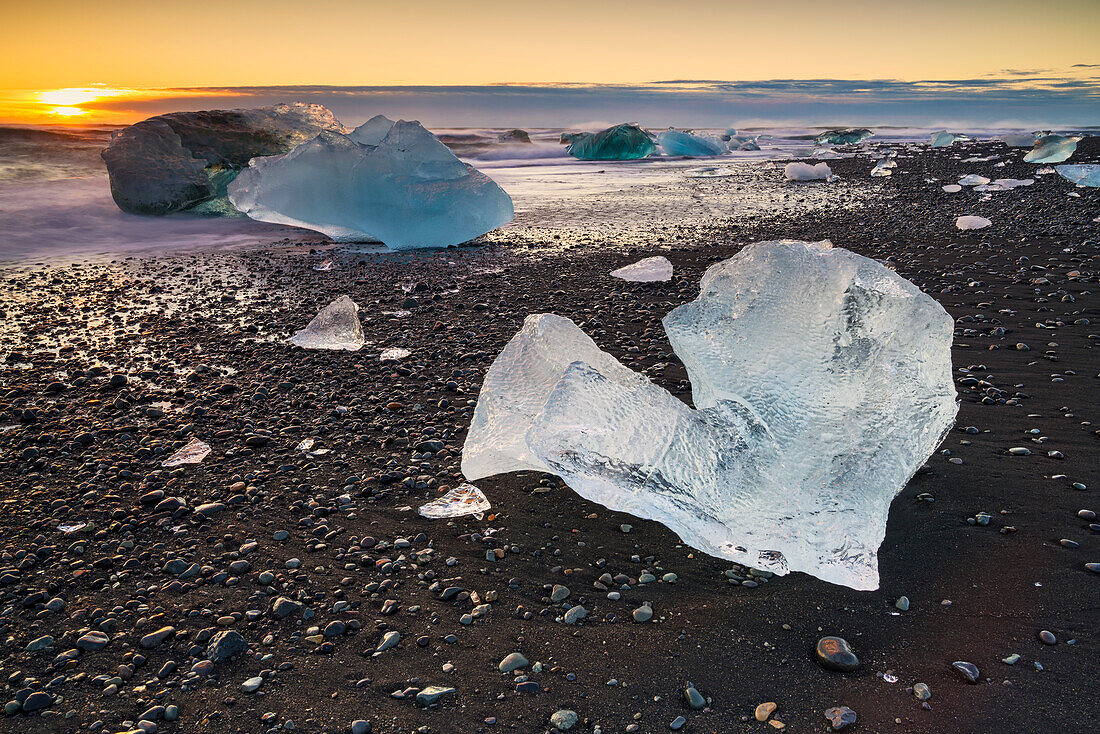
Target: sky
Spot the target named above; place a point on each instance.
(559, 62)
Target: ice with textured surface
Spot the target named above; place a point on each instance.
(943, 139)
(851, 136)
(972, 222)
(622, 142)
(193, 453)
(1082, 174)
(677, 142)
(1052, 149)
(336, 326)
(806, 172)
(463, 500)
(646, 270)
(408, 191)
(821, 381)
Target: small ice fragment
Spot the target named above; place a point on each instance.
(943, 139)
(677, 142)
(336, 326)
(465, 499)
(973, 179)
(1052, 149)
(882, 168)
(305, 445)
(806, 172)
(972, 222)
(72, 528)
(648, 270)
(194, 452)
(1082, 174)
(393, 354)
(326, 265)
(708, 172)
(1045, 171)
(619, 143)
(1004, 184)
(952, 188)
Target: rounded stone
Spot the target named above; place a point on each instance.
(1047, 637)
(840, 717)
(968, 671)
(563, 719)
(834, 653)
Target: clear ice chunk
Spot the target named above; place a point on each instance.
(678, 142)
(409, 191)
(1018, 140)
(952, 188)
(373, 131)
(973, 179)
(336, 326)
(851, 136)
(943, 139)
(972, 222)
(1004, 184)
(463, 500)
(623, 142)
(393, 354)
(1082, 174)
(806, 172)
(184, 160)
(646, 270)
(193, 453)
(883, 168)
(1052, 149)
(821, 381)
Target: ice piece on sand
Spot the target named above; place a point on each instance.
(1004, 184)
(952, 188)
(72, 527)
(972, 222)
(393, 354)
(821, 382)
(806, 172)
(1052, 149)
(883, 168)
(647, 270)
(1082, 174)
(851, 136)
(619, 143)
(709, 172)
(677, 142)
(336, 326)
(194, 452)
(184, 159)
(305, 445)
(1018, 140)
(943, 139)
(973, 179)
(409, 191)
(324, 265)
(465, 499)
(373, 131)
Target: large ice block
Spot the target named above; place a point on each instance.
(678, 142)
(1052, 149)
(183, 160)
(1082, 174)
(944, 139)
(408, 191)
(336, 326)
(619, 143)
(821, 381)
(850, 136)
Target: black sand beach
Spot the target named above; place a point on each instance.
(110, 367)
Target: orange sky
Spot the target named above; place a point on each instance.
(128, 44)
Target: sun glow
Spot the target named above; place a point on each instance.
(66, 102)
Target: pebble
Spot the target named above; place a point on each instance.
(968, 671)
(922, 691)
(563, 719)
(765, 710)
(512, 661)
(834, 653)
(1047, 637)
(840, 717)
(252, 684)
(643, 613)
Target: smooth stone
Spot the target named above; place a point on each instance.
(1047, 637)
(359, 726)
(575, 614)
(968, 671)
(643, 613)
(765, 710)
(512, 661)
(694, 699)
(678, 723)
(252, 684)
(559, 593)
(834, 653)
(840, 717)
(902, 603)
(563, 719)
(922, 691)
(432, 694)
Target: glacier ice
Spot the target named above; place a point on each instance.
(806, 172)
(943, 139)
(678, 142)
(821, 381)
(1082, 174)
(972, 222)
(1004, 184)
(463, 500)
(952, 188)
(193, 453)
(623, 142)
(973, 179)
(646, 270)
(336, 326)
(884, 167)
(408, 191)
(373, 131)
(1018, 140)
(185, 160)
(851, 136)
(1052, 149)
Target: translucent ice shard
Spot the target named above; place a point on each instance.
(619, 143)
(1004, 184)
(193, 453)
(408, 191)
(463, 500)
(336, 326)
(806, 172)
(677, 142)
(851, 136)
(973, 179)
(647, 270)
(1083, 174)
(1052, 149)
(1019, 140)
(952, 188)
(821, 381)
(883, 168)
(943, 139)
(972, 222)
(183, 160)
(373, 131)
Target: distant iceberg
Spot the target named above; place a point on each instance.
(851, 136)
(619, 143)
(1052, 149)
(408, 190)
(943, 139)
(677, 142)
(1082, 174)
(185, 160)
(1018, 140)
